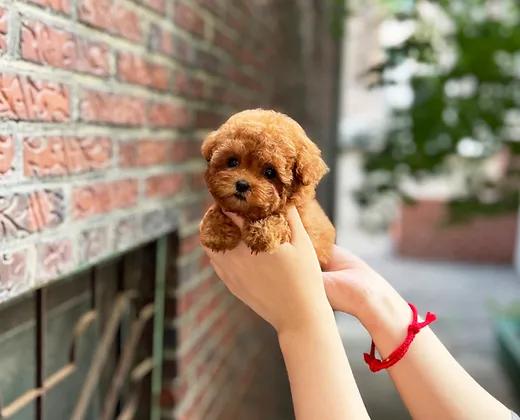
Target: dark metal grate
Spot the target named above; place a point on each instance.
(123, 379)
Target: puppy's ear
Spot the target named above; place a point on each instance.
(309, 167)
(208, 145)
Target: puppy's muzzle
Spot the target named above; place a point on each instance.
(242, 186)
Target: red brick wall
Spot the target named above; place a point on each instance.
(103, 105)
(422, 232)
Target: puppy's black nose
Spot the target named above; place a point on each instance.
(242, 186)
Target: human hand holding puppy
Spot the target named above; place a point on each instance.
(259, 164)
(284, 287)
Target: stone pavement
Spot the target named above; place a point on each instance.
(462, 295)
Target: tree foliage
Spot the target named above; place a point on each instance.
(466, 102)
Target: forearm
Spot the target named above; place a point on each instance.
(430, 381)
(322, 383)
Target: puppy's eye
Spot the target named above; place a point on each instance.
(232, 162)
(269, 172)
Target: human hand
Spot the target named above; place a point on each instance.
(353, 287)
(284, 287)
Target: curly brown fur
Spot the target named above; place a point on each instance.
(259, 163)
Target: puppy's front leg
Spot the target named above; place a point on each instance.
(217, 231)
(265, 235)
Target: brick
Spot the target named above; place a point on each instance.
(7, 150)
(196, 180)
(168, 115)
(43, 44)
(193, 212)
(134, 69)
(145, 152)
(422, 232)
(163, 185)
(207, 119)
(189, 243)
(208, 61)
(225, 42)
(113, 109)
(22, 214)
(189, 86)
(3, 29)
(211, 5)
(187, 18)
(185, 149)
(160, 40)
(93, 243)
(156, 5)
(13, 271)
(126, 231)
(159, 221)
(103, 197)
(62, 6)
(111, 16)
(55, 258)
(183, 50)
(58, 156)
(24, 98)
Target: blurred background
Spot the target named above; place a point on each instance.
(427, 176)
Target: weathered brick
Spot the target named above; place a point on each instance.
(126, 231)
(7, 150)
(168, 115)
(58, 156)
(134, 69)
(47, 45)
(113, 109)
(145, 152)
(111, 16)
(93, 243)
(189, 19)
(3, 29)
(23, 98)
(163, 185)
(22, 214)
(160, 40)
(62, 6)
(103, 197)
(55, 257)
(13, 271)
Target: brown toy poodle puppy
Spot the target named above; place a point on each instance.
(259, 163)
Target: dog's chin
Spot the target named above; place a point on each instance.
(236, 203)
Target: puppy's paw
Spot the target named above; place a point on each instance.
(265, 235)
(218, 232)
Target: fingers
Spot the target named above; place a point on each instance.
(237, 220)
(298, 232)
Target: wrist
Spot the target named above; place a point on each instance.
(386, 318)
(311, 321)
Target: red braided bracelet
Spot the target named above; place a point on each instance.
(376, 364)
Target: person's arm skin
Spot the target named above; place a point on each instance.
(286, 289)
(430, 381)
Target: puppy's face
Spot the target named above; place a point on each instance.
(258, 161)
